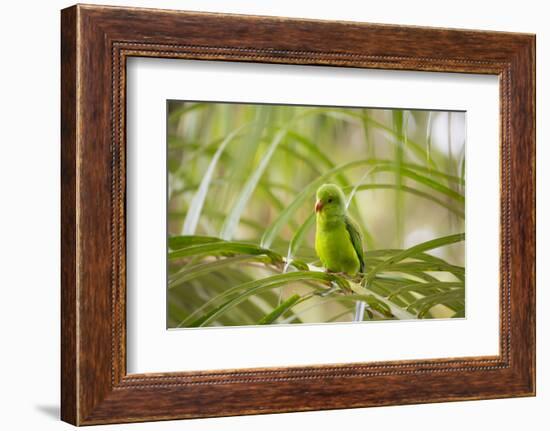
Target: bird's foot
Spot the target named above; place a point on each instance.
(339, 273)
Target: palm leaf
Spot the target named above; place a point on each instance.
(195, 208)
(428, 245)
(256, 286)
(280, 310)
(232, 220)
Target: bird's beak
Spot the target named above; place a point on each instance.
(318, 206)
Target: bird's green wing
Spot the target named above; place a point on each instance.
(357, 240)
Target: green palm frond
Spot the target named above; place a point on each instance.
(241, 222)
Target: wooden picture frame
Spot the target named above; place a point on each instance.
(96, 41)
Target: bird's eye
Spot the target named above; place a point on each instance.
(330, 200)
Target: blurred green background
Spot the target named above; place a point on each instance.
(241, 191)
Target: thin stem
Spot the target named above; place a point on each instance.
(359, 311)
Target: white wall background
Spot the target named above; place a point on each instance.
(29, 221)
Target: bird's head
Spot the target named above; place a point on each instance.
(330, 201)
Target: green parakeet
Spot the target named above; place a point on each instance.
(338, 239)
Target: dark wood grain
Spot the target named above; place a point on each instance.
(68, 217)
(96, 41)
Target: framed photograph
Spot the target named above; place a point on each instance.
(264, 215)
